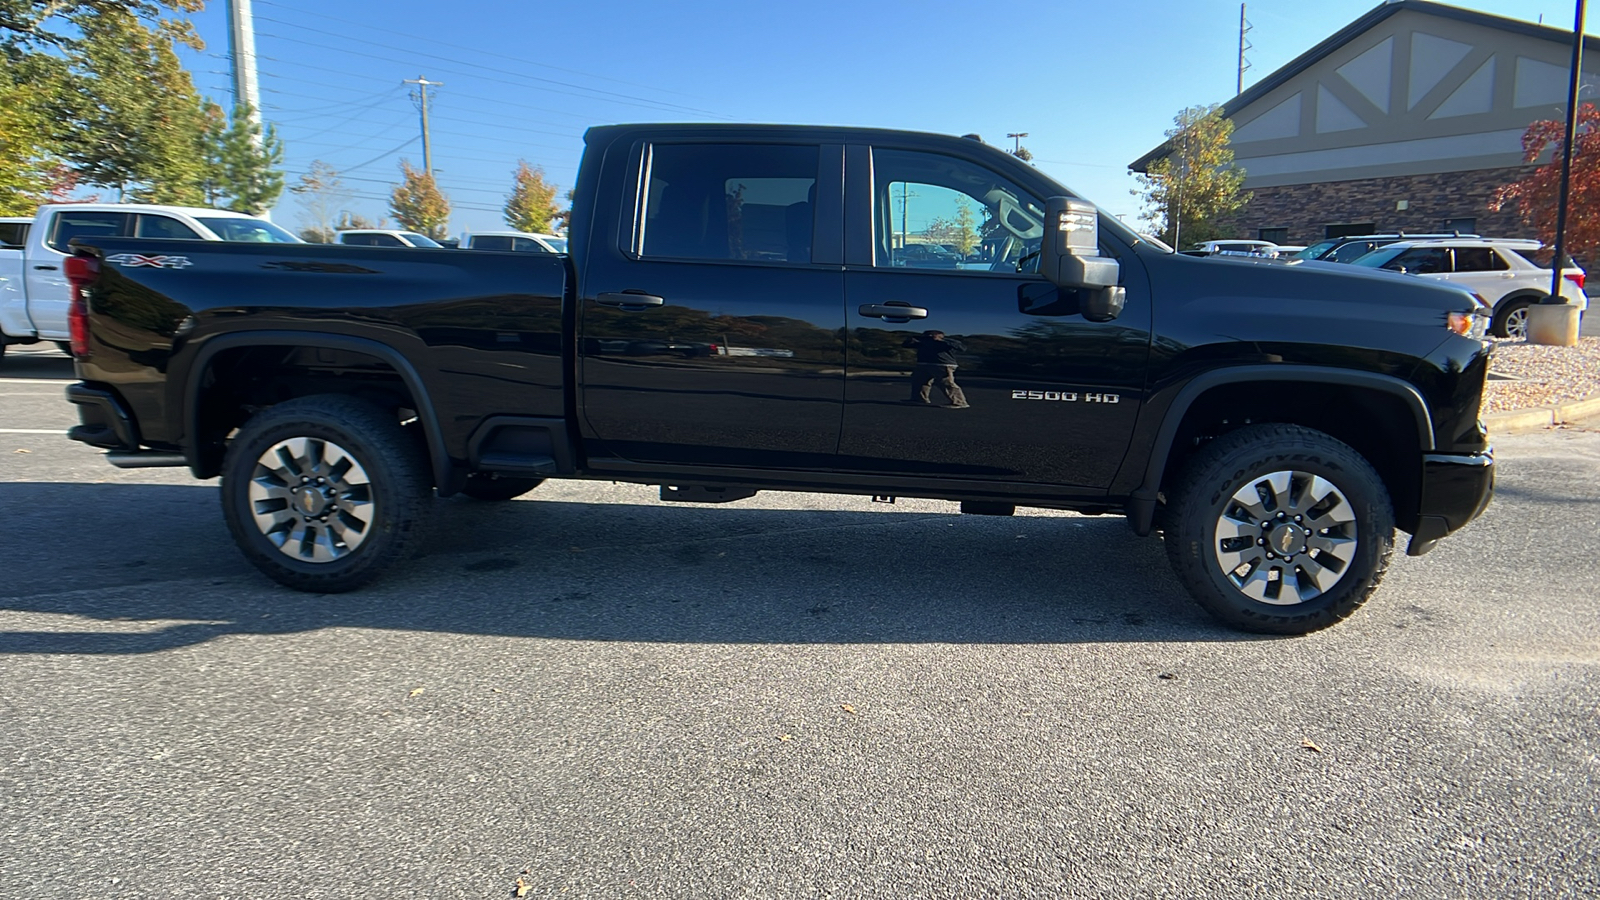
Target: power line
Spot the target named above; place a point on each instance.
(412, 55)
(479, 51)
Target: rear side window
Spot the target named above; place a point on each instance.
(13, 234)
(727, 201)
(69, 225)
(491, 242)
(165, 227)
(527, 245)
(1421, 261)
(373, 240)
(1479, 259)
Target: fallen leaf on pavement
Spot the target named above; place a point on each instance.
(786, 737)
(20, 450)
(1306, 743)
(416, 691)
(848, 708)
(521, 889)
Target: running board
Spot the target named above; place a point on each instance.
(145, 459)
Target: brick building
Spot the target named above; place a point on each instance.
(1408, 118)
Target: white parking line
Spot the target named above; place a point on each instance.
(30, 431)
(37, 381)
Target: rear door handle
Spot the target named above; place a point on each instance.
(630, 300)
(893, 311)
(45, 268)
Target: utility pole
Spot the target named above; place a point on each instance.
(422, 104)
(242, 54)
(1017, 148)
(1244, 27)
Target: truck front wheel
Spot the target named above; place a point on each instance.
(325, 493)
(1279, 529)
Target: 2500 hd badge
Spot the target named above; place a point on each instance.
(1067, 396)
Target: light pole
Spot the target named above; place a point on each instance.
(1557, 263)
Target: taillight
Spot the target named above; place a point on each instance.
(1576, 278)
(82, 271)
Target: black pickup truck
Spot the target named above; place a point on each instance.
(806, 309)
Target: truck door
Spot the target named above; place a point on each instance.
(48, 247)
(990, 373)
(710, 325)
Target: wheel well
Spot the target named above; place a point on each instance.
(239, 382)
(1378, 425)
(1529, 295)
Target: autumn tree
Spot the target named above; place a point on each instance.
(28, 25)
(531, 205)
(1538, 195)
(1194, 188)
(418, 204)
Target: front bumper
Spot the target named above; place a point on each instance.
(1456, 488)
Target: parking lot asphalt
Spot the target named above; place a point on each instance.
(793, 696)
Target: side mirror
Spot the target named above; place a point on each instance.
(1070, 257)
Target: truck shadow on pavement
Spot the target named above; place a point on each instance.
(153, 568)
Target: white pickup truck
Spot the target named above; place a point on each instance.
(34, 293)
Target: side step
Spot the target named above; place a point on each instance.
(144, 459)
(698, 493)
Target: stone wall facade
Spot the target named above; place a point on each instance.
(1432, 201)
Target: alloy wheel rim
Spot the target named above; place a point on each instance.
(311, 499)
(1517, 323)
(1285, 538)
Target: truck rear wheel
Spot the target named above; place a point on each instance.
(488, 486)
(325, 493)
(1279, 529)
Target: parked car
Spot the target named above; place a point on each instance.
(14, 231)
(1352, 248)
(1248, 248)
(34, 292)
(386, 237)
(520, 241)
(1246, 405)
(1286, 251)
(1495, 269)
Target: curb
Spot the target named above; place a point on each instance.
(1538, 418)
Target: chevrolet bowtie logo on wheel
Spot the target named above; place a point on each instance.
(139, 260)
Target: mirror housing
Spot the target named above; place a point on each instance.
(1069, 256)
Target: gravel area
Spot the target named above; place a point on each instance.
(1545, 375)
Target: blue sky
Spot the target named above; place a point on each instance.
(1093, 83)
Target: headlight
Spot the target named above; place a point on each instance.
(1473, 324)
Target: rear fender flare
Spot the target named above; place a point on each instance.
(439, 457)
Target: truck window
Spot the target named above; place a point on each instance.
(527, 245)
(69, 225)
(940, 212)
(13, 234)
(491, 242)
(164, 227)
(371, 240)
(728, 201)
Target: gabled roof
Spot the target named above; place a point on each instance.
(1350, 32)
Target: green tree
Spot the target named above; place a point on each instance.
(27, 25)
(132, 119)
(1192, 192)
(25, 164)
(418, 204)
(241, 163)
(532, 203)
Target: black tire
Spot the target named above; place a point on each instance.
(64, 347)
(491, 487)
(1204, 502)
(396, 495)
(1499, 326)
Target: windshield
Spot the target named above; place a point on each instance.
(557, 244)
(249, 231)
(1315, 251)
(1377, 258)
(421, 240)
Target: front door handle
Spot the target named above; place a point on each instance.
(893, 311)
(630, 300)
(45, 268)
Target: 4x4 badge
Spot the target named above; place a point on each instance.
(139, 260)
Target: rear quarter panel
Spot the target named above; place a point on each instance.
(482, 330)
